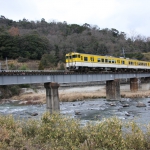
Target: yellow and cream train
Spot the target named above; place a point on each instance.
(87, 62)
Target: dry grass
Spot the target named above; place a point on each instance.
(74, 96)
(147, 55)
(57, 132)
(138, 94)
(31, 64)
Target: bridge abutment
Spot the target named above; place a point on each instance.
(113, 89)
(52, 97)
(134, 84)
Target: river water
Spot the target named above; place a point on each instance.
(87, 110)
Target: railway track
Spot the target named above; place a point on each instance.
(56, 72)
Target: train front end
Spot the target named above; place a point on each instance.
(72, 61)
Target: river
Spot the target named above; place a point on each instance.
(87, 110)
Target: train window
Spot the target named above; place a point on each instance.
(85, 59)
(109, 60)
(70, 57)
(66, 57)
(106, 60)
(74, 56)
(92, 58)
(102, 60)
(122, 62)
(81, 57)
(113, 61)
(118, 61)
(131, 63)
(98, 60)
(78, 56)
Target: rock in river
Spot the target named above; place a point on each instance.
(140, 104)
(125, 105)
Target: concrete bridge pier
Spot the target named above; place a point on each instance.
(134, 84)
(113, 89)
(52, 97)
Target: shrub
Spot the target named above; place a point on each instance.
(61, 66)
(40, 67)
(57, 132)
(23, 67)
(12, 66)
(21, 59)
(24, 85)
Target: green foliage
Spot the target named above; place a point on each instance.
(55, 131)
(23, 67)
(14, 89)
(12, 66)
(34, 40)
(41, 67)
(9, 90)
(21, 59)
(48, 60)
(147, 56)
(138, 56)
(31, 46)
(24, 85)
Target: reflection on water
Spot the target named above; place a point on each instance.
(86, 110)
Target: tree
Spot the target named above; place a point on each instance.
(13, 31)
(41, 67)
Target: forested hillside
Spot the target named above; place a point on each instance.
(48, 42)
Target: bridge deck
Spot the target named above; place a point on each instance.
(9, 77)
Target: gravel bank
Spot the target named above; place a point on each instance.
(80, 93)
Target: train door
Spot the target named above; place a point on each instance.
(70, 60)
(81, 61)
(92, 61)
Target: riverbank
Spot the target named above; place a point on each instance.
(69, 94)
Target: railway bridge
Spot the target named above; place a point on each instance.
(52, 80)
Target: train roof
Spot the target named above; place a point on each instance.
(108, 56)
(91, 54)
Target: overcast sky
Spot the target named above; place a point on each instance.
(129, 16)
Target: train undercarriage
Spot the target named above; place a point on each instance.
(104, 69)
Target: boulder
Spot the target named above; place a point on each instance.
(140, 104)
(34, 114)
(127, 114)
(112, 104)
(125, 105)
(77, 113)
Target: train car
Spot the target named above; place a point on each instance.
(87, 62)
